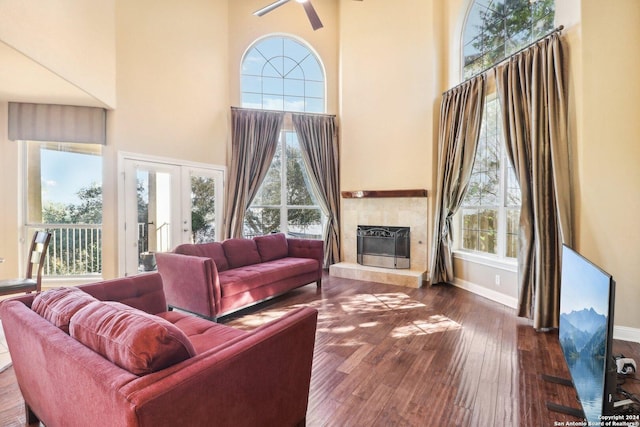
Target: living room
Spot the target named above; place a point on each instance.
(168, 72)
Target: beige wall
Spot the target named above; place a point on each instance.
(608, 151)
(72, 40)
(389, 88)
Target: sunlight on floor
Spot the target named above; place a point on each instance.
(378, 305)
(372, 303)
(432, 325)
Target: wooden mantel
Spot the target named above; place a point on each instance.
(383, 193)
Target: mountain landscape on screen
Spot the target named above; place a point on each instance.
(583, 333)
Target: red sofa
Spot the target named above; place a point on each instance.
(217, 375)
(217, 279)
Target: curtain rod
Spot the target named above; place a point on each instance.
(558, 29)
(284, 111)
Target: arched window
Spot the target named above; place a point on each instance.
(283, 73)
(488, 220)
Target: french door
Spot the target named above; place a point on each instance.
(165, 203)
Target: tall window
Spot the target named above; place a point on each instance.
(64, 196)
(488, 220)
(282, 73)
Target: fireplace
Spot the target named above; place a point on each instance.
(382, 246)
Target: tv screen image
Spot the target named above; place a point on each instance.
(586, 325)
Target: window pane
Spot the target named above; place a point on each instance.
(513, 220)
(269, 193)
(305, 223)
(64, 183)
(252, 84)
(314, 89)
(272, 86)
(293, 87)
(294, 103)
(298, 188)
(271, 47)
(260, 221)
(203, 209)
(251, 100)
(312, 69)
(295, 50)
(314, 105)
(253, 63)
(272, 102)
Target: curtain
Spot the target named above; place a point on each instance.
(57, 123)
(531, 91)
(319, 145)
(254, 140)
(460, 120)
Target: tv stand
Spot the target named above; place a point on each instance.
(574, 412)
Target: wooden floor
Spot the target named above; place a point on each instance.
(394, 356)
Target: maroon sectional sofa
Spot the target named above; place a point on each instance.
(111, 355)
(219, 278)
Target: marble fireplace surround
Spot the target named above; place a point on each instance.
(393, 208)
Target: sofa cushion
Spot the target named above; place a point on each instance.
(241, 252)
(243, 280)
(203, 334)
(211, 250)
(58, 305)
(136, 341)
(272, 246)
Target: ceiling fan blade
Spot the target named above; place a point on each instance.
(312, 15)
(269, 8)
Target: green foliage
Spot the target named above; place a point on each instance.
(76, 250)
(504, 28)
(203, 209)
(265, 214)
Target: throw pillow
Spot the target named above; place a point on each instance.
(272, 246)
(58, 305)
(241, 252)
(211, 250)
(135, 340)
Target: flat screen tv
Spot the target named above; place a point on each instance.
(587, 298)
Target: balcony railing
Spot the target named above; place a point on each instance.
(74, 250)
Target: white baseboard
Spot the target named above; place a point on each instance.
(623, 333)
(487, 293)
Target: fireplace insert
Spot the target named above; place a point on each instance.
(382, 246)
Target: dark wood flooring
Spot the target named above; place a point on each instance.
(394, 356)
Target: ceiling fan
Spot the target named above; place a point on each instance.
(308, 8)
